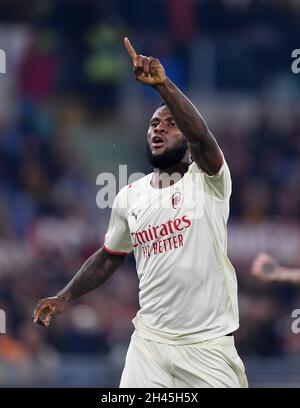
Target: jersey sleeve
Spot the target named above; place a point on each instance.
(219, 185)
(118, 239)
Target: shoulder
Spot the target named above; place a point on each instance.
(140, 184)
(217, 185)
(134, 189)
(193, 168)
(223, 168)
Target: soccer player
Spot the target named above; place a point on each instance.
(174, 220)
(268, 269)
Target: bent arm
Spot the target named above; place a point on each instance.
(288, 275)
(95, 271)
(266, 268)
(203, 146)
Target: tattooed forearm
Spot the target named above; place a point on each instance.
(95, 271)
(203, 146)
(187, 117)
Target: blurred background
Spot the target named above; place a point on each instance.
(70, 109)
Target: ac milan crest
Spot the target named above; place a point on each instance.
(176, 200)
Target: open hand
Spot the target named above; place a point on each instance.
(148, 70)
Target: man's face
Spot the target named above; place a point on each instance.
(166, 145)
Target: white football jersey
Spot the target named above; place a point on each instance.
(187, 285)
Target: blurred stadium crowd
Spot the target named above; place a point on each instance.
(71, 110)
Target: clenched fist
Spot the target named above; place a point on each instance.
(148, 70)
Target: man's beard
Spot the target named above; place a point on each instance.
(170, 157)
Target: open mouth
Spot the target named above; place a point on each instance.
(157, 142)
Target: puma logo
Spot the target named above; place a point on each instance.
(135, 215)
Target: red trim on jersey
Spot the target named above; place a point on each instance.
(114, 252)
(219, 171)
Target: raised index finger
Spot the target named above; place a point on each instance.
(130, 49)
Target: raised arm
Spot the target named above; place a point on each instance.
(95, 271)
(268, 269)
(203, 146)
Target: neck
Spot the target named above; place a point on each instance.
(181, 168)
(166, 177)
